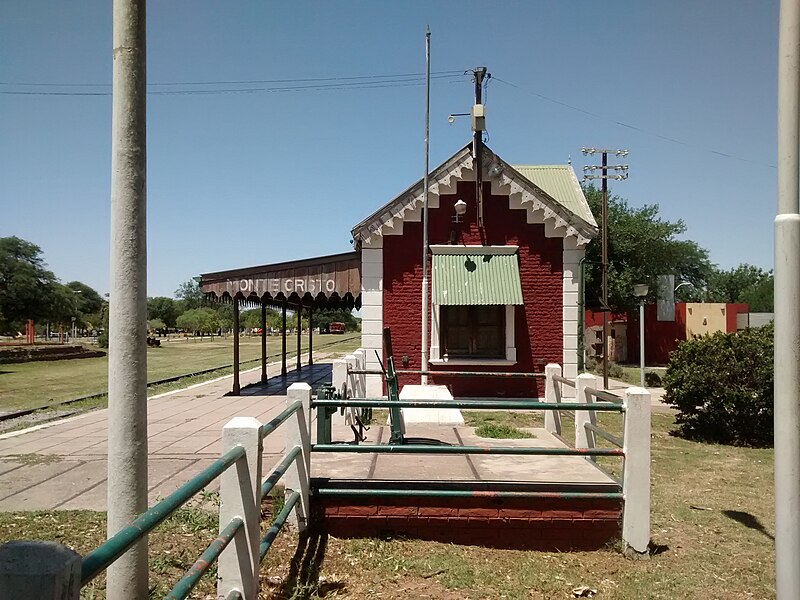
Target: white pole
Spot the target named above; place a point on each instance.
(787, 309)
(424, 379)
(127, 356)
(641, 342)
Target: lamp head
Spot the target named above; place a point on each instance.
(640, 290)
(461, 207)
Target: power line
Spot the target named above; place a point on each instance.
(634, 127)
(341, 85)
(241, 82)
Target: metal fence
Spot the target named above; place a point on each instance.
(239, 548)
(633, 446)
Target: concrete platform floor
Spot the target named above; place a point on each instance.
(63, 464)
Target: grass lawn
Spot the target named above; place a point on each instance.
(712, 526)
(24, 385)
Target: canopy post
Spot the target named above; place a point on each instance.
(299, 335)
(236, 387)
(283, 339)
(310, 336)
(263, 342)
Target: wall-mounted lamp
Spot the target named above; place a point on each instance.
(460, 208)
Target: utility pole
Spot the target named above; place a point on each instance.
(478, 126)
(127, 355)
(425, 303)
(787, 313)
(620, 173)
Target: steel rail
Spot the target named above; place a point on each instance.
(101, 557)
(466, 493)
(497, 404)
(186, 584)
(273, 531)
(433, 449)
(564, 380)
(280, 470)
(610, 437)
(272, 425)
(605, 396)
(508, 374)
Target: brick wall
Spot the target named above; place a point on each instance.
(538, 324)
(522, 523)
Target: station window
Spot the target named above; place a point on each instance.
(475, 331)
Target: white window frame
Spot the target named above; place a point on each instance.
(436, 357)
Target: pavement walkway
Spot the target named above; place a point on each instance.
(63, 464)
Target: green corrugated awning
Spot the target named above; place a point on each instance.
(482, 277)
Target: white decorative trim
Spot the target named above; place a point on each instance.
(541, 209)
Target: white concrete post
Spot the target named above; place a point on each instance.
(127, 352)
(636, 472)
(339, 376)
(297, 434)
(31, 570)
(583, 438)
(552, 418)
(240, 496)
(361, 365)
(352, 380)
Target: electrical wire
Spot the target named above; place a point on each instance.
(634, 127)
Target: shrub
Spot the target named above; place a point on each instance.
(652, 379)
(615, 371)
(722, 387)
(102, 339)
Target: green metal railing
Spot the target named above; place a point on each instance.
(437, 449)
(101, 557)
(280, 520)
(203, 564)
(470, 405)
(104, 555)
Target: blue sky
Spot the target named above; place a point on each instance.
(239, 179)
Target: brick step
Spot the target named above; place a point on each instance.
(547, 522)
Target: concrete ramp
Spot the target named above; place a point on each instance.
(438, 416)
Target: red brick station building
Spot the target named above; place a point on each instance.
(503, 276)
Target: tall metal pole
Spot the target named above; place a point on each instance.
(424, 378)
(641, 342)
(787, 309)
(604, 266)
(310, 336)
(127, 353)
(477, 142)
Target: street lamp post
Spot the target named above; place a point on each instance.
(640, 291)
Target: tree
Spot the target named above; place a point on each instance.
(88, 300)
(164, 309)
(26, 286)
(199, 320)
(641, 246)
(323, 318)
(746, 284)
(190, 295)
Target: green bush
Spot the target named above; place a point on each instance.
(102, 339)
(722, 387)
(652, 379)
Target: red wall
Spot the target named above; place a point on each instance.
(731, 310)
(538, 326)
(660, 337)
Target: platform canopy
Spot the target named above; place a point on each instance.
(323, 282)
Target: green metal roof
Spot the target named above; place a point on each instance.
(476, 278)
(560, 183)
